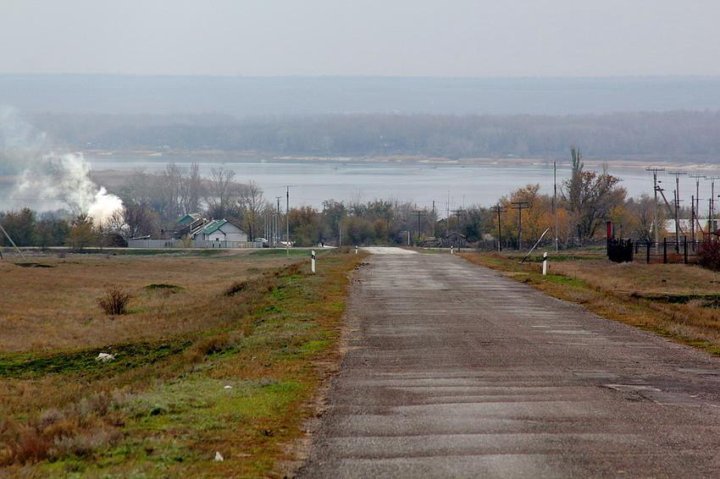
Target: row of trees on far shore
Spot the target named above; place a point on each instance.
(154, 202)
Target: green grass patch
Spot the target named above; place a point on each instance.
(563, 280)
(164, 287)
(85, 362)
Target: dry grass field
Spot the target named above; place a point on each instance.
(681, 302)
(217, 353)
(51, 303)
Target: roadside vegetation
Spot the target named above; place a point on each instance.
(677, 301)
(211, 371)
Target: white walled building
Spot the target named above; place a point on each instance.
(222, 231)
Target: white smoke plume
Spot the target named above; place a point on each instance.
(48, 181)
(54, 182)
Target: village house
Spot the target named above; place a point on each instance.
(221, 231)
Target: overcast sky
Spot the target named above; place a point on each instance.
(458, 38)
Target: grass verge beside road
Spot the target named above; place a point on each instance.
(229, 364)
(679, 302)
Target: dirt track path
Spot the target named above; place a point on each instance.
(455, 371)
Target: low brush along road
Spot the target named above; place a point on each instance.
(455, 371)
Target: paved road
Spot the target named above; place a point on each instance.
(455, 371)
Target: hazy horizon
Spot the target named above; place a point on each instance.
(416, 38)
(243, 96)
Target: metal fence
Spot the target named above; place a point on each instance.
(178, 243)
(667, 251)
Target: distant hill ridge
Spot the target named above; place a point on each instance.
(260, 96)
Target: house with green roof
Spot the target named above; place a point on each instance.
(221, 231)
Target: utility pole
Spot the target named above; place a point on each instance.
(655, 212)
(447, 221)
(519, 205)
(287, 220)
(277, 221)
(711, 206)
(458, 213)
(7, 235)
(434, 219)
(695, 205)
(498, 210)
(554, 205)
(419, 213)
(677, 175)
(676, 202)
(692, 220)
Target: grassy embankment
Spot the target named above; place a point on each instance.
(676, 301)
(220, 352)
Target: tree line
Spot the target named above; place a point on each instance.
(678, 135)
(154, 202)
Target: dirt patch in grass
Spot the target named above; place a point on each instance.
(674, 300)
(34, 265)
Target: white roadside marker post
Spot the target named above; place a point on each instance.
(312, 260)
(356, 249)
(452, 250)
(545, 264)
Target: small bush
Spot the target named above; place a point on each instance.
(115, 301)
(214, 345)
(709, 255)
(236, 288)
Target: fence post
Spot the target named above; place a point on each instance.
(665, 250)
(685, 248)
(647, 253)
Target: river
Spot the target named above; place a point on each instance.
(312, 182)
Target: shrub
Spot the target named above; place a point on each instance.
(115, 301)
(709, 255)
(236, 288)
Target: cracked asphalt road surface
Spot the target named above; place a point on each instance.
(453, 370)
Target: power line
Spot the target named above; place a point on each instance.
(519, 206)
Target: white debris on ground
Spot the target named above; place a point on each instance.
(105, 357)
(227, 386)
(218, 457)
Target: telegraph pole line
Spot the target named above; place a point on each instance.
(655, 171)
(499, 209)
(519, 206)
